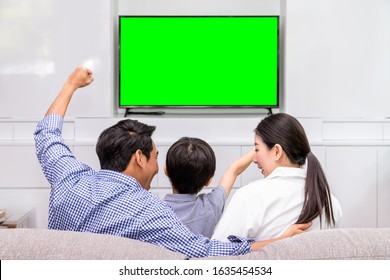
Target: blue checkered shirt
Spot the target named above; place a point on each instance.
(110, 202)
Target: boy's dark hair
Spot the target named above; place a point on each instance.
(117, 144)
(190, 164)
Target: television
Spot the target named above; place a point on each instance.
(198, 61)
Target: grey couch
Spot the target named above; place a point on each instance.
(348, 243)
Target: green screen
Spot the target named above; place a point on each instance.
(198, 61)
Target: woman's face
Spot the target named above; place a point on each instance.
(264, 157)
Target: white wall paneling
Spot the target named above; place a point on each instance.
(161, 181)
(386, 131)
(335, 66)
(356, 170)
(6, 131)
(352, 173)
(384, 187)
(87, 155)
(353, 130)
(20, 168)
(225, 155)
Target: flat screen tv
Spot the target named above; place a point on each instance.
(198, 61)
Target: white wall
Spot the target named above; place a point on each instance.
(198, 7)
(337, 69)
(326, 65)
(337, 58)
(42, 42)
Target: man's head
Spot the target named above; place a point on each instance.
(190, 165)
(127, 147)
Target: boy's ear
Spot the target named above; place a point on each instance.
(209, 182)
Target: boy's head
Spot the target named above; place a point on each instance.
(190, 165)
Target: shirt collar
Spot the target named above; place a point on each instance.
(117, 177)
(180, 197)
(287, 172)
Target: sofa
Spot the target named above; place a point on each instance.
(331, 244)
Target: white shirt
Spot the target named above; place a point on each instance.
(263, 209)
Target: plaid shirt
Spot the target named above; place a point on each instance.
(110, 202)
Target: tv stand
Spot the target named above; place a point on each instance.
(129, 112)
(269, 111)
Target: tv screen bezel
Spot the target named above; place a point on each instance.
(277, 105)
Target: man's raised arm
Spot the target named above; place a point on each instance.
(79, 78)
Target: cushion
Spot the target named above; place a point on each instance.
(43, 244)
(330, 244)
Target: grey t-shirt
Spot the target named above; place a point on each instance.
(200, 213)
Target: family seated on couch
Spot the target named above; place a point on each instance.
(115, 199)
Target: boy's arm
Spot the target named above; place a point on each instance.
(235, 169)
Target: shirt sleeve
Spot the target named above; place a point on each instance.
(217, 199)
(55, 157)
(236, 219)
(166, 230)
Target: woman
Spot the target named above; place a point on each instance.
(288, 193)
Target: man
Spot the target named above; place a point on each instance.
(115, 200)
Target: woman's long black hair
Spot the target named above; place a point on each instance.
(286, 131)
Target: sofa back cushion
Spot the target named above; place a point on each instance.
(43, 244)
(331, 244)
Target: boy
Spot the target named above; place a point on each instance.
(190, 166)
